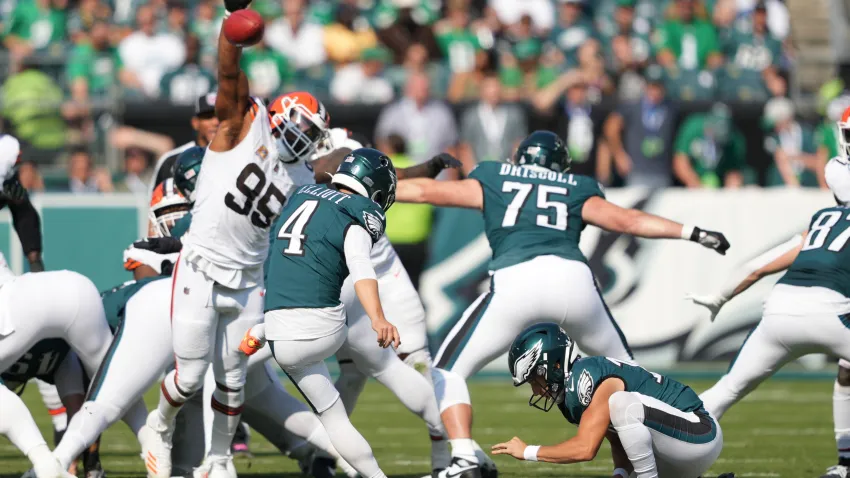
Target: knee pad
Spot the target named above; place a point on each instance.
(843, 373)
(190, 374)
(226, 400)
(625, 409)
(450, 389)
(420, 360)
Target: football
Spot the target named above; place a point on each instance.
(244, 28)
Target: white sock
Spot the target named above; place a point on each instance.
(227, 407)
(171, 398)
(348, 441)
(350, 384)
(17, 424)
(841, 418)
(83, 430)
(627, 418)
(413, 391)
(50, 397)
(464, 448)
(719, 398)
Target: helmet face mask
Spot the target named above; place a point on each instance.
(542, 356)
(297, 130)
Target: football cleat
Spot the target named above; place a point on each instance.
(837, 471)
(215, 467)
(96, 472)
(318, 466)
(250, 344)
(487, 466)
(48, 469)
(459, 468)
(155, 438)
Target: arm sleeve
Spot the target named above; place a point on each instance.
(358, 249)
(27, 225)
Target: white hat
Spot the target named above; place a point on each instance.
(10, 151)
(837, 175)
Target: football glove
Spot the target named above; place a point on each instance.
(233, 5)
(446, 161)
(253, 340)
(159, 245)
(711, 302)
(13, 190)
(709, 239)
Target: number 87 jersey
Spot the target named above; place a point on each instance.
(238, 195)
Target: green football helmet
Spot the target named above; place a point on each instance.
(186, 170)
(542, 350)
(369, 173)
(543, 148)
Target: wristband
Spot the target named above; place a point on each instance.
(621, 472)
(688, 232)
(530, 453)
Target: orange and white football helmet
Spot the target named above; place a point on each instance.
(299, 123)
(167, 207)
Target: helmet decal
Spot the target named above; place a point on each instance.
(526, 362)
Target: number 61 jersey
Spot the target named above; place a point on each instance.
(239, 194)
(531, 211)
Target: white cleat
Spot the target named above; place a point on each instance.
(216, 467)
(48, 469)
(155, 438)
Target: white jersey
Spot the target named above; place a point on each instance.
(239, 194)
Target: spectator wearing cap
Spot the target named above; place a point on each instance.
(95, 68)
(348, 35)
(268, 71)
(710, 152)
(572, 29)
(509, 12)
(687, 39)
(363, 82)
(490, 129)
(296, 38)
(148, 54)
(752, 73)
(639, 138)
(524, 66)
(205, 124)
(183, 84)
(35, 26)
(426, 125)
(792, 146)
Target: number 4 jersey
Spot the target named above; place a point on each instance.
(530, 211)
(239, 194)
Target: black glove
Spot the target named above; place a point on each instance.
(711, 240)
(160, 245)
(446, 161)
(233, 5)
(166, 268)
(13, 190)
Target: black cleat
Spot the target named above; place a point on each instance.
(460, 468)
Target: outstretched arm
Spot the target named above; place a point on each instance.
(232, 98)
(609, 216)
(464, 193)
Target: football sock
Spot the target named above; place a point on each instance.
(348, 441)
(350, 384)
(171, 398)
(17, 424)
(464, 448)
(841, 417)
(627, 418)
(227, 408)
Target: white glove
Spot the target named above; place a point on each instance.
(711, 302)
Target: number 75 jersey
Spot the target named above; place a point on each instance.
(239, 194)
(824, 259)
(530, 211)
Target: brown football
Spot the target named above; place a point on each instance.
(244, 28)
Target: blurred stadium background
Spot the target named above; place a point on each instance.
(719, 112)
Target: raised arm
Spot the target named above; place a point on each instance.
(232, 100)
(465, 193)
(775, 260)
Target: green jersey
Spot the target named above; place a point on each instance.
(185, 84)
(115, 300)
(824, 260)
(41, 27)
(40, 361)
(710, 159)
(98, 67)
(568, 38)
(306, 266)
(531, 212)
(691, 43)
(587, 373)
(826, 137)
(459, 46)
(268, 70)
(752, 52)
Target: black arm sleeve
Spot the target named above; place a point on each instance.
(27, 224)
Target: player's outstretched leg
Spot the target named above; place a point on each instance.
(841, 418)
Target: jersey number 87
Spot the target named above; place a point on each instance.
(821, 228)
(250, 183)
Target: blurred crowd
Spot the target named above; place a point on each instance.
(457, 75)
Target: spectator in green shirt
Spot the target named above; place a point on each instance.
(754, 58)
(268, 71)
(792, 146)
(190, 80)
(571, 30)
(687, 38)
(35, 26)
(94, 68)
(457, 40)
(709, 151)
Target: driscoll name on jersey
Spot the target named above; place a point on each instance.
(532, 173)
(325, 193)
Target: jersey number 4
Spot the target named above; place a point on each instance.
(293, 228)
(250, 183)
(820, 230)
(523, 190)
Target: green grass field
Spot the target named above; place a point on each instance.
(784, 429)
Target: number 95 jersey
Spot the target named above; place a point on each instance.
(239, 194)
(531, 211)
